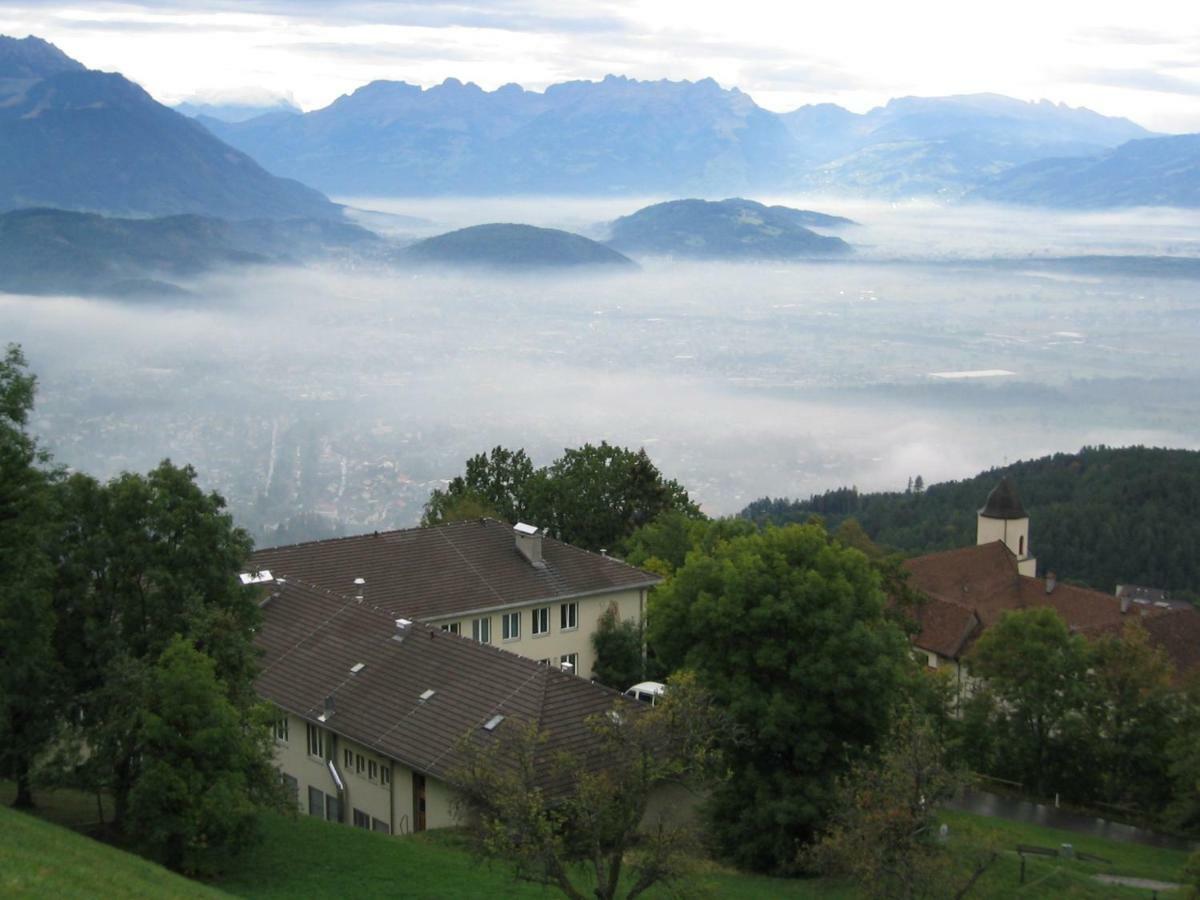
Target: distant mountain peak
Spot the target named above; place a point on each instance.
(33, 58)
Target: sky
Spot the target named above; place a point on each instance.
(1138, 60)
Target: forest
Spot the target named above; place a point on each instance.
(1100, 517)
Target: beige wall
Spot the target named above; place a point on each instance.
(392, 804)
(556, 643)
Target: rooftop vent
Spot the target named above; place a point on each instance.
(1124, 605)
(529, 543)
(426, 694)
(401, 629)
(493, 723)
(360, 589)
(356, 668)
(1051, 582)
(259, 577)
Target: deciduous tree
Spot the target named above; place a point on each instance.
(787, 629)
(618, 646)
(593, 834)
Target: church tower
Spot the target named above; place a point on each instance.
(1003, 518)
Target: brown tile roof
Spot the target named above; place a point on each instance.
(452, 569)
(983, 581)
(311, 639)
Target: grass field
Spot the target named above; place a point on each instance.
(304, 857)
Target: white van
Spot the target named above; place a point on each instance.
(647, 691)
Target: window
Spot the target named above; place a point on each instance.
(385, 774)
(362, 820)
(316, 803)
(481, 630)
(281, 729)
(291, 787)
(568, 616)
(541, 621)
(569, 662)
(380, 825)
(316, 741)
(453, 627)
(510, 626)
(333, 808)
(347, 760)
(360, 764)
(372, 769)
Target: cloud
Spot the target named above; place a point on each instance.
(1136, 79)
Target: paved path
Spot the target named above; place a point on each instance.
(982, 803)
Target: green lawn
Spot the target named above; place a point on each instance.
(304, 857)
(41, 859)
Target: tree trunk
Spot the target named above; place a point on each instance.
(24, 789)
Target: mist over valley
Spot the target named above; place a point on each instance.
(337, 395)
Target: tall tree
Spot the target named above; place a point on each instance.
(141, 560)
(207, 765)
(29, 683)
(618, 646)
(787, 629)
(494, 484)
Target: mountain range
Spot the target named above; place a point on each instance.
(623, 136)
(77, 139)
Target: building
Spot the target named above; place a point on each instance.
(967, 590)
(513, 587)
(373, 710)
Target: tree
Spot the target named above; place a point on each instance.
(1034, 699)
(786, 629)
(618, 646)
(593, 496)
(207, 766)
(494, 484)
(141, 560)
(29, 682)
(883, 831)
(597, 826)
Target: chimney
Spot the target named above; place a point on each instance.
(1051, 582)
(1124, 605)
(529, 543)
(360, 589)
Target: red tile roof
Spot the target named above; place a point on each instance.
(311, 639)
(454, 569)
(983, 582)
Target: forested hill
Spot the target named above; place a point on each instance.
(1099, 517)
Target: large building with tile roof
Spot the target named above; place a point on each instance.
(383, 651)
(967, 591)
(508, 586)
(374, 710)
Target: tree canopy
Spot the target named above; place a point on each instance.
(786, 629)
(594, 496)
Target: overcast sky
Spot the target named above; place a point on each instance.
(1140, 60)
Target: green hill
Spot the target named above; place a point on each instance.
(38, 859)
(1099, 517)
(727, 229)
(513, 247)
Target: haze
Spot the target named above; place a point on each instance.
(350, 394)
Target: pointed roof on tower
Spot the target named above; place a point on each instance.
(1003, 502)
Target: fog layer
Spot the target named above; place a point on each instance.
(351, 394)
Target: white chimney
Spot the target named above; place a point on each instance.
(360, 589)
(529, 543)
(1051, 582)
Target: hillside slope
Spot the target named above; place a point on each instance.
(38, 859)
(1099, 517)
(45, 251)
